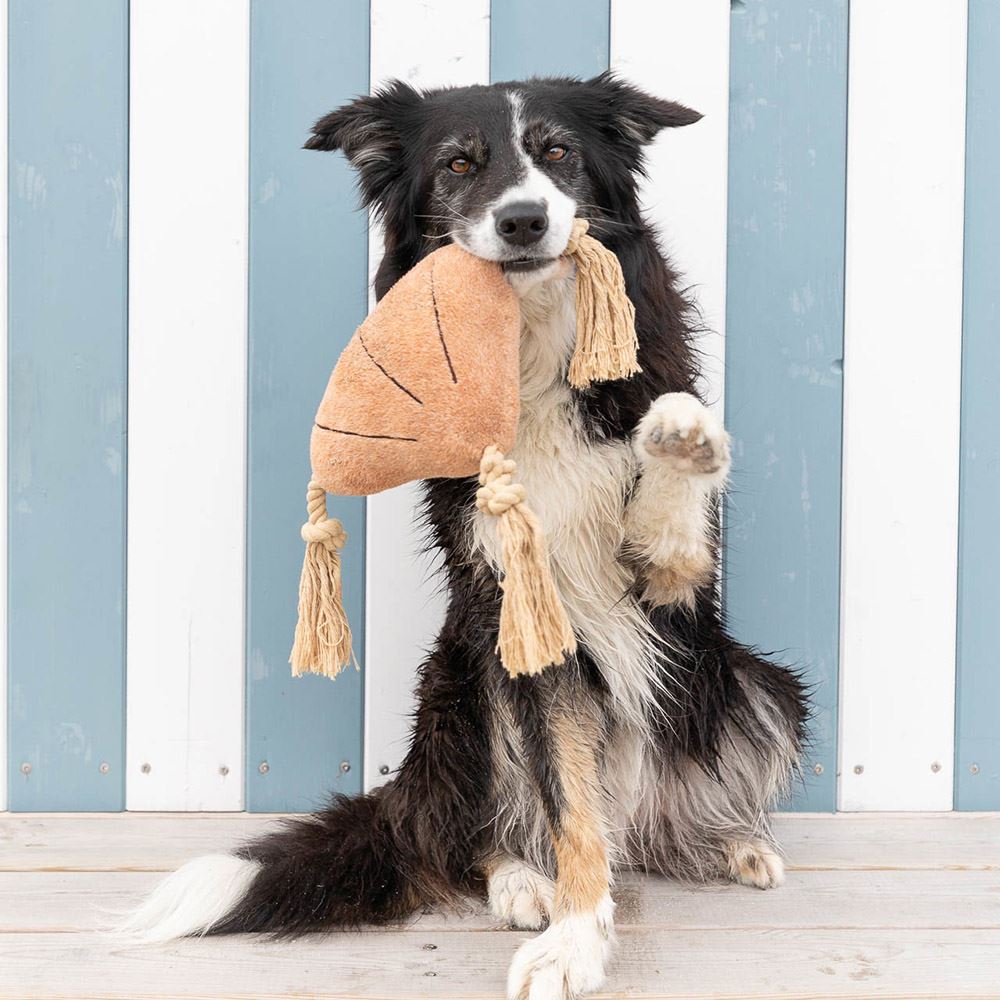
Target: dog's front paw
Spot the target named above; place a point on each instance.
(681, 431)
(567, 960)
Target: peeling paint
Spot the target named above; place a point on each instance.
(116, 224)
(30, 184)
(268, 190)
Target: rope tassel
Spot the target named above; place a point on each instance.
(606, 341)
(534, 629)
(323, 634)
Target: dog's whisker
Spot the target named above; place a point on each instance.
(450, 208)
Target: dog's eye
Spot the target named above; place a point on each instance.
(460, 165)
(555, 153)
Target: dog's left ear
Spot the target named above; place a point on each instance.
(634, 114)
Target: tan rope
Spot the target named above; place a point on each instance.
(534, 629)
(579, 230)
(320, 528)
(322, 634)
(606, 341)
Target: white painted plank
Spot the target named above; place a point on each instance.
(680, 51)
(441, 42)
(3, 408)
(906, 151)
(51, 902)
(648, 964)
(188, 117)
(814, 842)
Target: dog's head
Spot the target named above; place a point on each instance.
(500, 170)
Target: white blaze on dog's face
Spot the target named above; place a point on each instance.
(528, 225)
(508, 179)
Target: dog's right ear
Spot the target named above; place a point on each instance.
(368, 132)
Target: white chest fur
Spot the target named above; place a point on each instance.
(577, 488)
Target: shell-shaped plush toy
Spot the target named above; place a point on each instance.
(428, 388)
(426, 384)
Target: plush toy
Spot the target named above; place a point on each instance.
(427, 388)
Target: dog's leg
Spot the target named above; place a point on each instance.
(519, 894)
(701, 823)
(568, 959)
(683, 452)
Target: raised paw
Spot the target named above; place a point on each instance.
(753, 863)
(682, 431)
(567, 960)
(520, 896)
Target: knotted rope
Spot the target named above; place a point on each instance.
(497, 491)
(320, 528)
(534, 629)
(606, 341)
(323, 634)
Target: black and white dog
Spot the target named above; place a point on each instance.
(663, 742)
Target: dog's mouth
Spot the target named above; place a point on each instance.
(520, 265)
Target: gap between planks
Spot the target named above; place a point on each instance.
(156, 842)
(67, 903)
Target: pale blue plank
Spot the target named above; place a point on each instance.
(559, 37)
(308, 291)
(977, 751)
(784, 345)
(68, 65)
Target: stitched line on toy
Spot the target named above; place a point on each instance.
(437, 319)
(358, 434)
(399, 385)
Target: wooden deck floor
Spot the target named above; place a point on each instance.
(900, 906)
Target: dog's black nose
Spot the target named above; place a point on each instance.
(522, 223)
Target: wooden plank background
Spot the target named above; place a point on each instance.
(428, 45)
(681, 50)
(977, 756)
(784, 347)
(307, 293)
(66, 380)
(187, 405)
(250, 264)
(3, 409)
(903, 338)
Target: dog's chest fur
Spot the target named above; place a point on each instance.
(577, 487)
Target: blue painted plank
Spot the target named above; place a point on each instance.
(68, 106)
(977, 751)
(308, 291)
(784, 346)
(559, 37)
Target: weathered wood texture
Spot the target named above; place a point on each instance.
(160, 842)
(472, 964)
(875, 906)
(69, 902)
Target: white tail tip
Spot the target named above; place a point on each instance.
(192, 899)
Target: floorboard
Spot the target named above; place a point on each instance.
(472, 964)
(903, 906)
(65, 902)
(162, 841)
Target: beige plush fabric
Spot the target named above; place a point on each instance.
(428, 381)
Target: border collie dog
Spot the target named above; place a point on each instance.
(661, 744)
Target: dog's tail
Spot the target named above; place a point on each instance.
(355, 862)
